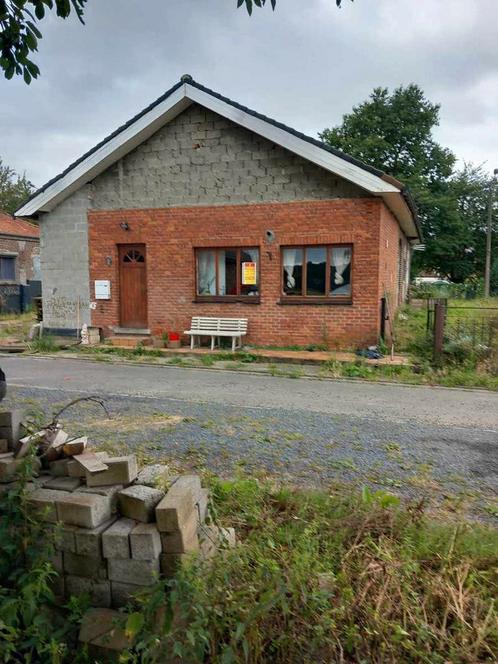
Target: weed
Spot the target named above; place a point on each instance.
(44, 344)
(328, 578)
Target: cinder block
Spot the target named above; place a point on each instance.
(99, 591)
(63, 483)
(202, 506)
(56, 561)
(83, 509)
(122, 470)
(174, 510)
(124, 593)
(188, 482)
(74, 469)
(90, 567)
(88, 541)
(115, 540)
(59, 467)
(157, 476)
(4, 445)
(11, 426)
(170, 563)
(212, 538)
(145, 542)
(104, 628)
(139, 502)
(65, 538)
(184, 540)
(8, 468)
(138, 572)
(57, 586)
(45, 501)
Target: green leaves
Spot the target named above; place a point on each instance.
(19, 35)
(261, 3)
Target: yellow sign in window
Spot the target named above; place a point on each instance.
(249, 274)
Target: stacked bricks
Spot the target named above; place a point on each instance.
(117, 529)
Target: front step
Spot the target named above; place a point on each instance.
(130, 341)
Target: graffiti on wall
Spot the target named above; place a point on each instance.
(62, 311)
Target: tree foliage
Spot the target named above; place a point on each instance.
(19, 33)
(14, 188)
(250, 4)
(394, 132)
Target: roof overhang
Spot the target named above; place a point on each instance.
(178, 99)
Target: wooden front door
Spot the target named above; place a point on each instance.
(133, 286)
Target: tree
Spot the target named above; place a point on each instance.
(19, 33)
(250, 4)
(393, 132)
(14, 189)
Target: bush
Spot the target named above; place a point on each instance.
(44, 344)
(328, 578)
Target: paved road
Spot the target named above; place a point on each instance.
(438, 443)
(428, 405)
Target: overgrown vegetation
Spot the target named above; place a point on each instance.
(329, 578)
(32, 627)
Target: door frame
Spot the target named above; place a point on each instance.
(122, 247)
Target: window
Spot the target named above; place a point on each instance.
(8, 268)
(229, 273)
(317, 273)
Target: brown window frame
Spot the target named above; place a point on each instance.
(315, 299)
(239, 297)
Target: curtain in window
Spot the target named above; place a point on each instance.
(222, 277)
(290, 256)
(206, 273)
(341, 258)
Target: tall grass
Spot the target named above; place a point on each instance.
(321, 578)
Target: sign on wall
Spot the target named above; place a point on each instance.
(102, 289)
(249, 274)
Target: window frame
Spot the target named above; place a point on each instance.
(239, 297)
(315, 299)
(13, 260)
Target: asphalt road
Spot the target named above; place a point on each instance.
(436, 443)
(427, 405)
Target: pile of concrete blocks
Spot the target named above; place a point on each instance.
(118, 529)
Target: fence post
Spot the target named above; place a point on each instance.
(439, 316)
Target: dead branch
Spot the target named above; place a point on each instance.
(94, 399)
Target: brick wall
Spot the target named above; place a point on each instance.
(26, 250)
(170, 236)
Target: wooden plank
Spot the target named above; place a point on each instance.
(91, 462)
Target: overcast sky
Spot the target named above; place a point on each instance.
(306, 65)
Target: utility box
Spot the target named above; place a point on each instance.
(102, 289)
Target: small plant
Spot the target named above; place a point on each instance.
(44, 344)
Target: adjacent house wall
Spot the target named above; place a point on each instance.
(64, 263)
(24, 250)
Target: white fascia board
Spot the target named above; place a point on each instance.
(285, 139)
(399, 207)
(108, 154)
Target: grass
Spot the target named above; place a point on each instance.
(329, 577)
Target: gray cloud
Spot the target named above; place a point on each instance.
(307, 64)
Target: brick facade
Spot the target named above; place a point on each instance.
(172, 234)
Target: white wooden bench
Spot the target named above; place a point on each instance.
(203, 326)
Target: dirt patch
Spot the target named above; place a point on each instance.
(130, 423)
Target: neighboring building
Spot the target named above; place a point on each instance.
(20, 272)
(200, 206)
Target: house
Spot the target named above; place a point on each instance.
(19, 262)
(200, 206)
